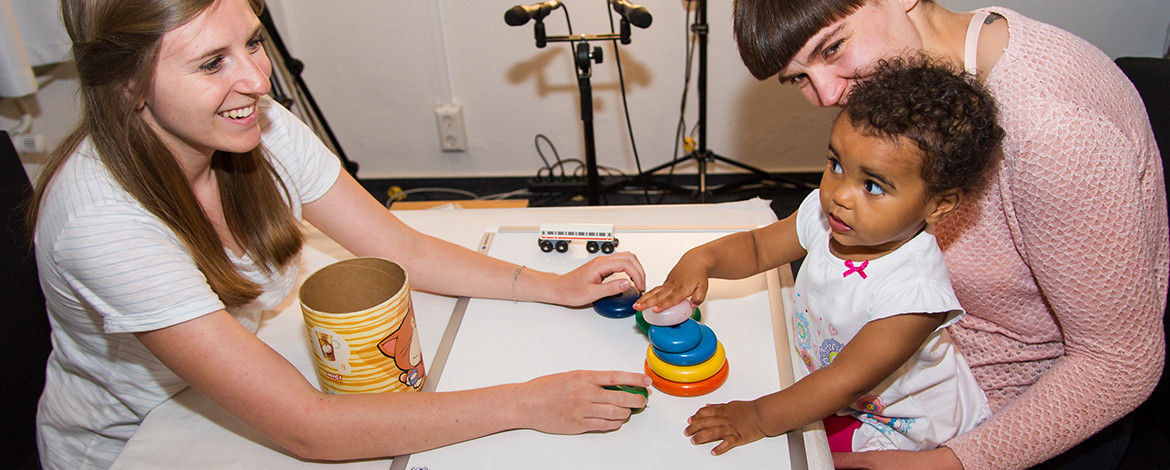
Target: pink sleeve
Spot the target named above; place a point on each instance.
(1087, 212)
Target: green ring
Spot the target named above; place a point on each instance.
(696, 314)
(631, 389)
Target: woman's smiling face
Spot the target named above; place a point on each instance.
(208, 77)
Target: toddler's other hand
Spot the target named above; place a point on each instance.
(735, 423)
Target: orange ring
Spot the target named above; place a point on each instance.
(687, 374)
(688, 390)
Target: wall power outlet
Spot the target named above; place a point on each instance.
(452, 134)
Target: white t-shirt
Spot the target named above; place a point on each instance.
(110, 268)
(933, 396)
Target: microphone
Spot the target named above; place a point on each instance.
(637, 15)
(520, 14)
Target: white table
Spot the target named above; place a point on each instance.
(188, 431)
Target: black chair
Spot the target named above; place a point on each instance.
(1150, 441)
(27, 347)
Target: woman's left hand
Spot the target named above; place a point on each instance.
(585, 284)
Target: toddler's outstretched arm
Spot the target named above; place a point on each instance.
(734, 256)
(879, 349)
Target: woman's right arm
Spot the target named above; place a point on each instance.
(241, 374)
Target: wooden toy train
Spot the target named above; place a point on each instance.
(597, 237)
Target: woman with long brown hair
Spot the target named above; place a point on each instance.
(169, 219)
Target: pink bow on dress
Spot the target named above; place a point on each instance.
(855, 269)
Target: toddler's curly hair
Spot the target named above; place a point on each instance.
(945, 112)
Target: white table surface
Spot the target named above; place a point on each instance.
(188, 431)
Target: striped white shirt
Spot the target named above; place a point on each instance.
(110, 268)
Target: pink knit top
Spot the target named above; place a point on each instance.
(1061, 261)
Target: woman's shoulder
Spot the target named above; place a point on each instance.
(83, 193)
(301, 160)
(1045, 67)
(285, 137)
(83, 184)
(1051, 84)
(280, 128)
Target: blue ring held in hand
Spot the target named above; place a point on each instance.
(617, 306)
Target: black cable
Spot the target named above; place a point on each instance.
(560, 164)
(567, 22)
(625, 104)
(680, 132)
(536, 143)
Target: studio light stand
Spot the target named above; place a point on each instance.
(701, 154)
(286, 73)
(583, 59)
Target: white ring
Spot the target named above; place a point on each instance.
(669, 316)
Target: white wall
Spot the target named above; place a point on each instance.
(376, 69)
(510, 90)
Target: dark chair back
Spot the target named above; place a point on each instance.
(23, 316)
(1151, 77)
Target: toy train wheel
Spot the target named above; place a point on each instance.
(592, 247)
(607, 248)
(562, 246)
(545, 246)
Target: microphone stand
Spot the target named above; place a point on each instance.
(583, 59)
(702, 155)
(284, 66)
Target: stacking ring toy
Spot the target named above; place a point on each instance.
(629, 389)
(696, 315)
(686, 374)
(619, 305)
(688, 389)
(672, 315)
(678, 338)
(697, 355)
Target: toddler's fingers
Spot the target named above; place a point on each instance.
(723, 447)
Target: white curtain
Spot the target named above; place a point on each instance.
(31, 34)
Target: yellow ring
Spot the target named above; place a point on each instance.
(692, 389)
(686, 374)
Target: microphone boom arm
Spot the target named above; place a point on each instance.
(585, 37)
(583, 58)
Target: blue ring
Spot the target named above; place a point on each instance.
(618, 305)
(676, 338)
(698, 355)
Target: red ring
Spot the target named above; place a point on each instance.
(694, 389)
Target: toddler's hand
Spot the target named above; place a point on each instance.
(736, 423)
(685, 280)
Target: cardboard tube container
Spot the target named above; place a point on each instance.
(361, 327)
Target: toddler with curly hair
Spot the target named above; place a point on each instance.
(873, 296)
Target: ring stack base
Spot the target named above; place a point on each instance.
(693, 389)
